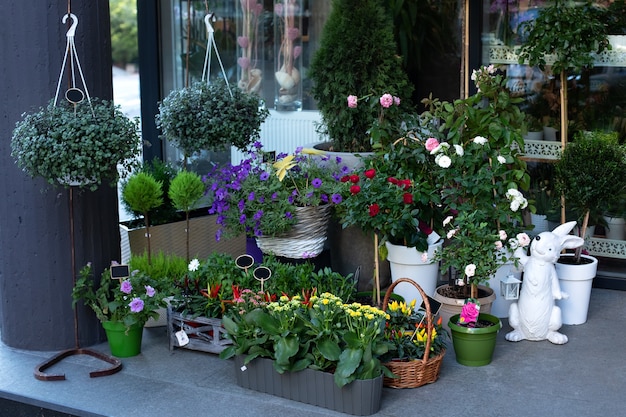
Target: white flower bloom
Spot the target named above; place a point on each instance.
(447, 220)
(502, 234)
(459, 150)
(470, 270)
(480, 140)
(451, 233)
(501, 159)
(443, 161)
(194, 265)
(498, 244)
(491, 69)
(513, 243)
(515, 205)
(523, 239)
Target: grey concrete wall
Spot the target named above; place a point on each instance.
(36, 276)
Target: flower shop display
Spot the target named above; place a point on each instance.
(285, 204)
(287, 62)
(418, 344)
(319, 332)
(480, 174)
(474, 335)
(123, 305)
(250, 40)
(211, 116)
(535, 316)
(76, 144)
(339, 69)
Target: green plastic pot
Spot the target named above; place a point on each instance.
(123, 344)
(474, 346)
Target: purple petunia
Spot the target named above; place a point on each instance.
(136, 305)
(242, 219)
(258, 215)
(251, 196)
(336, 198)
(324, 198)
(289, 215)
(126, 287)
(274, 196)
(264, 176)
(316, 183)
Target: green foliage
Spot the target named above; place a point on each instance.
(321, 333)
(205, 117)
(185, 191)
(341, 68)
(124, 48)
(568, 31)
(166, 270)
(83, 144)
(142, 193)
(132, 300)
(589, 173)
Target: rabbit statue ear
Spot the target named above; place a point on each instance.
(564, 229)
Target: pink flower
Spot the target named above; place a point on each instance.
(352, 101)
(523, 239)
(293, 33)
(424, 257)
(126, 287)
(149, 291)
(431, 143)
(469, 313)
(498, 244)
(396, 100)
(386, 100)
(136, 305)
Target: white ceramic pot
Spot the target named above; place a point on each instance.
(616, 228)
(576, 281)
(420, 267)
(534, 135)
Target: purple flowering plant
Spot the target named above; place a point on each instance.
(130, 300)
(258, 197)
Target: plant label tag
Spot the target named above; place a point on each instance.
(243, 368)
(182, 338)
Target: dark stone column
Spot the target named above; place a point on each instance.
(36, 275)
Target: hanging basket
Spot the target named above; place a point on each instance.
(305, 239)
(417, 372)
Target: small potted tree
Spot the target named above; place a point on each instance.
(564, 35)
(586, 176)
(76, 145)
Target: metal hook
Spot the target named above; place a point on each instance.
(72, 30)
(207, 22)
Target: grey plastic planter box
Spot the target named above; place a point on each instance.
(361, 397)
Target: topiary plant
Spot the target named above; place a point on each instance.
(357, 56)
(185, 191)
(143, 193)
(80, 145)
(207, 117)
(589, 174)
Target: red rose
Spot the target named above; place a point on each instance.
(355, 189)
(370, 173)
(345, 178)
(354, 178)
(374, 209)
(407, 198)
(424, 227)
(392, 180)
(405, 183)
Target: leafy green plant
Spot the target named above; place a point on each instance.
(143, 193)
(340, 68)
(185, 191)
(166, 270)
(568, 33)
(130, 301)
(83, 144)
(587, 173)
(322, 333)
(207, 117)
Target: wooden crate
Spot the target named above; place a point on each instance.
(205, 334)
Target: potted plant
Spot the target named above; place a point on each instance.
(185, 191)
(210, 117)
(480, 174)
(394, 197)
(122, 305)
(340, 69)
(76, 145)
(564, 35)
(587, 188)
(285, 204)
(316, 349)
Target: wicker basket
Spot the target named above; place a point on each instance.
(305, 239)
(417, 372)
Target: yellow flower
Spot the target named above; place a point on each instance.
(312, 151)
(283, 166)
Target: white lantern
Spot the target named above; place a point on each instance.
(509, 287)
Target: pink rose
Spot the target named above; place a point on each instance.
(469, 313)
(431, 143)
(523, 239)
(352, 101)
(386, 100)
(498, 244)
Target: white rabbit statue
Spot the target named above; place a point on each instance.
(535, 315)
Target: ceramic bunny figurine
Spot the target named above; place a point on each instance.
(535, 315)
